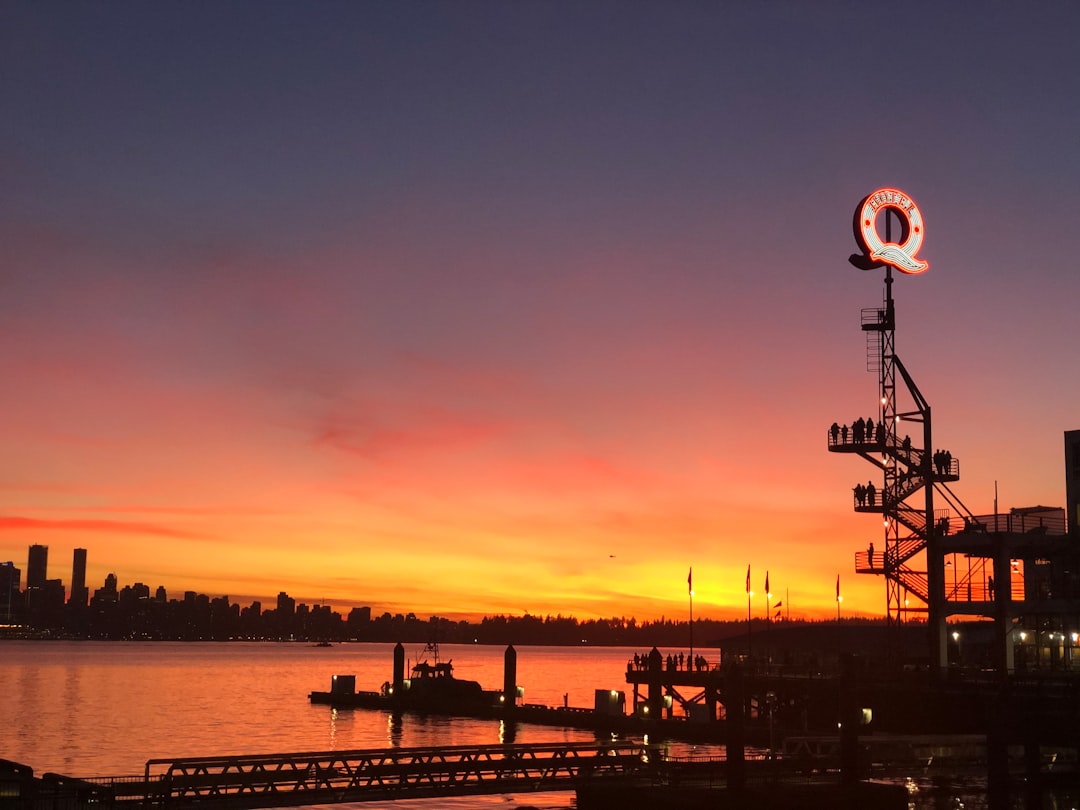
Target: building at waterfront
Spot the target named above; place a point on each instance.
(80, 595)
(10, 594)
(1072, 482)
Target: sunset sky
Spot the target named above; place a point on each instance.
(492, 307)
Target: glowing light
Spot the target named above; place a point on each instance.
(901, 255)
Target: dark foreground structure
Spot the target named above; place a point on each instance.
(604, 775)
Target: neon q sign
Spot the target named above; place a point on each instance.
(876, 252)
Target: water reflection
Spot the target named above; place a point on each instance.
(507, 732)
(394, 729)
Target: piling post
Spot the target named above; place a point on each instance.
(735, 736)
(656, 688)
(998, 726)
(509, 678)
(1032, 767)
(850, 718)
(399, 667)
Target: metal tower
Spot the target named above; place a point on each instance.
(910, 560)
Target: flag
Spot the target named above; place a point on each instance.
(837, 587)
(779, 604)
(690, 580)
(767, 583)
(748, 580)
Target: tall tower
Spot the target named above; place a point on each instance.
(79, 593)
(906, 463)
(36, 568)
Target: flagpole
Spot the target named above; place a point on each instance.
(768, 601)
(749, 596)
(839, 598)
(690, 587)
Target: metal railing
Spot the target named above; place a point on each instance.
(292, 779)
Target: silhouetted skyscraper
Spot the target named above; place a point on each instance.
(10, 585)
(37, 567)
(80, 595)
(1072, 480)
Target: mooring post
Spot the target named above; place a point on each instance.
(735, 736)
(509, 678)
(656, 689)
(998, 727)
(850, 718)
(1032, 767)
(399, 667)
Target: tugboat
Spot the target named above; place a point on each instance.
(433, 687)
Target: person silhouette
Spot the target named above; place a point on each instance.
(871, 493)
(870, 554)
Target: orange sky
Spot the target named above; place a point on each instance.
(526, 311)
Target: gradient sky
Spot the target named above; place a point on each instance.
(484, 307)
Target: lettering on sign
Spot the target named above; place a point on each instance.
(902, 255)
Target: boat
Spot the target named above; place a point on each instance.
(431, 688)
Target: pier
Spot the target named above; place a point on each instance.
(603, 775)
(326, 777)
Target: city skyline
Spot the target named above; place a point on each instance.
(491, 309)
(34, 573)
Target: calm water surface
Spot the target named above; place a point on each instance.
(105, 708)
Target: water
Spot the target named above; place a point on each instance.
(105, 708)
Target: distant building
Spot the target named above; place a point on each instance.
(1072, 481)
(10, 589)
(37, 567)
(80, 595)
